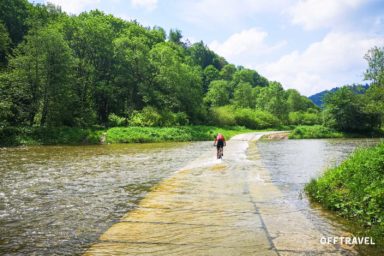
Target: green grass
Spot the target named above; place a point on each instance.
(323, 132)
(314, 132)
(161, 134)
(15, 136)
(355, 189)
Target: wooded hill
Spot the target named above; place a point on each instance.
(95, 69)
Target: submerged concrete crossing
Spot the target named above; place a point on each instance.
(216, 207)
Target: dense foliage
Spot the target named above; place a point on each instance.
(314, 132)
(355, 189)
(14, 136)
(318, 98)
(98, 70)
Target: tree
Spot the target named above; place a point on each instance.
(243, 96)
(375, 71)
(176, 86)
(218, 93)
(226, 73)
(41, 74)
(14, 15)
(210, 74)
(297, 102)
(249, 76)
(272, 99)
(4, 44)
(132, 69)
(346, 111)
(203, 56)
(175, 36)
(91, 37)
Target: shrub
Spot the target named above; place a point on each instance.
(223, 116)
(304, 118)
(314, 132)
(115, 120)
(255, 119)
(355, 189)
(169, 118)
(146, 117)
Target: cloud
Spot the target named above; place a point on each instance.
(149, 5)
(75, 6)
(334, 61)
(245, 47)
(312, 14)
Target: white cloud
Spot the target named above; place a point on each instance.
(312, 14)
(149, 5)
(75, 6)
(245, 47)
(335, 61)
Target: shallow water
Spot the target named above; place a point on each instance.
(293, 163)
(59, 199)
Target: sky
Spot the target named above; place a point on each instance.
(308, 45)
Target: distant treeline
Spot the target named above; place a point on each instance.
(95, 69)
(318, 98)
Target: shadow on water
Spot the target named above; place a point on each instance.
(59, 199)
(293, 163)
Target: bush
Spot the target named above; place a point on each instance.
(115, 120)
(161, 134)
(314, 132)
(304, 118)
(169, 118)
(14, 136)
(223, 116)
(255, 119)
(148, 117)
(355, 189)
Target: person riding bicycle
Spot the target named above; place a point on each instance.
(219, 143)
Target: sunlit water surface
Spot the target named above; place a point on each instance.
(293, 163)
(59, 199)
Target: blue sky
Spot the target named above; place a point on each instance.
(309, 45)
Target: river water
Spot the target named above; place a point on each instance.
(58, 200)
(293, 163)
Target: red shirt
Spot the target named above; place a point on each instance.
(219, 137)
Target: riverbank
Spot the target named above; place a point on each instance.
(17, 136)
(355, 190)
(322, 132)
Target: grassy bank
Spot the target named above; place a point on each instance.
(15, 136)
(323, 132)
(314, 132)
(355, 189)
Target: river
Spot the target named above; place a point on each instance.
(60, 199)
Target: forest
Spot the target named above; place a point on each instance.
(96, 70)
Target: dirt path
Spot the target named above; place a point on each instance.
(215, 207)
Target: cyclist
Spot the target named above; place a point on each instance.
(219, 143)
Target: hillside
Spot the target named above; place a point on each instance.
(317, 98)
(98, 70)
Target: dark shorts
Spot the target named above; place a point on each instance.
(220, 144)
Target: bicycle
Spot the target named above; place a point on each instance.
(220, 152)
